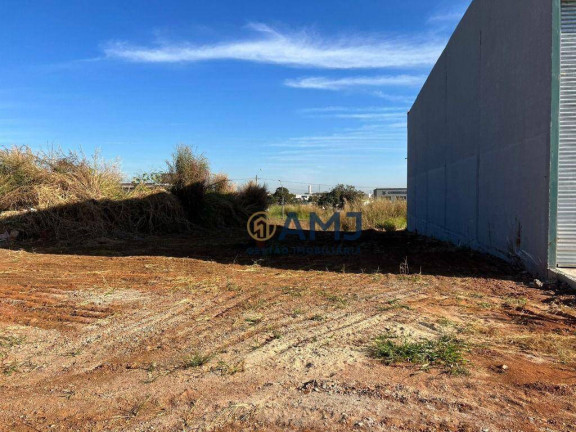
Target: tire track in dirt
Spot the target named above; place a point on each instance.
(46, 309)
(302, 370)
(125, 335)
(336, 343)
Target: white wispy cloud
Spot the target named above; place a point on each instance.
(371, 116)
(348, 109)
(296, 49)
(406, 100)
(365, 137)
(360, 145)
(363, 114)
(446, 17)
(324, 83)
(451, 14)
(367, 113)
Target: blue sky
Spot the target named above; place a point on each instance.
(300, 91)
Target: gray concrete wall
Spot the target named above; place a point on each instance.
(479, 134)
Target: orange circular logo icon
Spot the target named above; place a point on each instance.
(259, 228)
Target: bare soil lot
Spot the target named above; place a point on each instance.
(191, 333)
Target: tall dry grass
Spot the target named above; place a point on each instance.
(69, 195)
(211, 199)
(187, 167)
(151, 213)
(220, 183)
(379, 214)
(44, 180)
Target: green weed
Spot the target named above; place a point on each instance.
(10, 341)
(446, 352)
(196, 360)
(392, 305)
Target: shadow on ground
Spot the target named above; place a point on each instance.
(375, 251)
(159, 213)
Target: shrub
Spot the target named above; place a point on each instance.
(389, 226)
(221, 210)
(340, 196)
(192, 199)
(65, 195)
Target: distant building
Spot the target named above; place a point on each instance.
(306, 197)
(128, 187)
(391, 194)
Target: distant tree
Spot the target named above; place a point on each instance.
(283, 196)
(315, 198)
(151, 177)
(341, 195)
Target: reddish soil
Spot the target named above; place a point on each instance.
(100, 337)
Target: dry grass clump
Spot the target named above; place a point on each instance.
(210, 199)
(44, 180)
(252, 198)
(562, 347)
(187, 167)
(220, 183)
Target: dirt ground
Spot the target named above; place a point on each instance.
(191, 333)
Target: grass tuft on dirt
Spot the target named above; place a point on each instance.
(10, 341)
(195, 360)
(446, 352)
